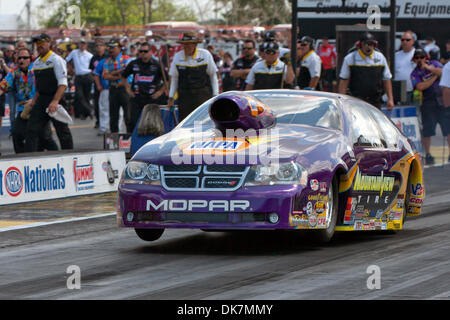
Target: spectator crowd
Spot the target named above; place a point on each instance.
(111, 80)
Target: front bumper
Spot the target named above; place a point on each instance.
(178, 209)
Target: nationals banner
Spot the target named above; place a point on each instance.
(59, 176)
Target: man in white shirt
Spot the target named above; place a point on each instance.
(366, 73)
(404, 64)
(193, 73)
(310, 65)
(81, 59)
(270, 73)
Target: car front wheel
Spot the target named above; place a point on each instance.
(149, 234)
(325, 235)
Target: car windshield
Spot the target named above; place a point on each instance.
(288, 108)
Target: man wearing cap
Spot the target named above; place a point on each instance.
(271, 73)
(366, 73)
(118, 96)
(284, 53)
(425, 78)
(310, 64)
(50, 73)
(81, 59)
(193, 74)
(147, 85)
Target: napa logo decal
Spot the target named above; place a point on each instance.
(83, 174)
(215, 146)
(13, 181)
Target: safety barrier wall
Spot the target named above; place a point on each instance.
(59, 175)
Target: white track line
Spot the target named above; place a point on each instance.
(40, 224)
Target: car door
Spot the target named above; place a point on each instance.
(373, 189)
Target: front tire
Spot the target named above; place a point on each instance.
(325, 235)
(149, 234)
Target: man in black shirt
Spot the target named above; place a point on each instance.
(243, 64)
(147, 86)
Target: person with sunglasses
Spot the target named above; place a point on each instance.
(366, 73)
(310, 64)
(425, 78)
(404, 64)
(147, 86)
(242, 65)
(118, 97)
(22, 82)
(271, 73)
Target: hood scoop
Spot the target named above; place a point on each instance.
(238, 110)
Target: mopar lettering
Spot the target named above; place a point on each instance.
(191, 205)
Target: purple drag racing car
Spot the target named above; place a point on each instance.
(274, 159)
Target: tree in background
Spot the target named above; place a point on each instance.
(256, 12)
(113, 12)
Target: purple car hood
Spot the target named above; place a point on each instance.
(284, 142)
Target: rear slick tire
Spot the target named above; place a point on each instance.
(149, 234)
(325, 235)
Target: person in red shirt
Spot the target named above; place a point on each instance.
(327, 53)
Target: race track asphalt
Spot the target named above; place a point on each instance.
(191, 264)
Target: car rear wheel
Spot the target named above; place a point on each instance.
(325, 235)
(149, 234)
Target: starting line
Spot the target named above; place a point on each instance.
(41, 224)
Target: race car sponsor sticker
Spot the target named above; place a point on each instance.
(309, 208)
(215, 146)
(314, 184)
(313, 221)
(322, 222)
(299, 220)
(358, 225)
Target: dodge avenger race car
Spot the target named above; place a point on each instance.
(274, 159)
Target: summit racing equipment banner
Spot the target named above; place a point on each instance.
(59, 176)
(405, 9)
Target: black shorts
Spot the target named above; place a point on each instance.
(2, 105)
(432, 114)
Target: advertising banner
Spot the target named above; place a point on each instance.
(405, 9)
(405, 118)
(59, 176)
